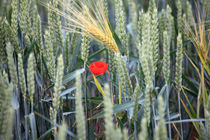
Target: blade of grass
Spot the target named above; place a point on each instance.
(191, 116)
(32, 121)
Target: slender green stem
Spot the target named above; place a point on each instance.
(55, 122)
(135, 131)
(153, 110)
(168, 109)
(86, 96)
(32, 106)
(26, 125)
(180, 118)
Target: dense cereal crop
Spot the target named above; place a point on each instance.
(104, 69)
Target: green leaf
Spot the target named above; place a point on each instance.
(27, 52)
(116, 38)
(67, 78)
(96, 53)
(193, 85)
(96, 100)
(45, 118)
(46, 135)
(65, 92)
(32, 122)
(118, 108)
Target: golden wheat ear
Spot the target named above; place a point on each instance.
(90, 19)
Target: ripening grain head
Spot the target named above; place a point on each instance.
(90, 20)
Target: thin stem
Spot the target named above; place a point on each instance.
(55, 127)
(111, 87)
(32, 106)
(129, 123)
(153, 110)
(168, 110)
(26, 125)
(86, 96)
(180, 118)
(135, 131)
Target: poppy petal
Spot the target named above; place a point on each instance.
(98, 67)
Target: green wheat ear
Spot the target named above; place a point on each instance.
(11, 64)
(58, 83)
(162, 23)
(73, 44)
(145, 51)
(37, 31)
(85, 48)
(179, 16)
(23, 16)
(3, 56)
(139, 32)
(14, 25)
(152, 6)
(55, 27)
(155, 36)
(25, 20)
(112, 62)
(14, 18)
(30, 77)
(21, 76)
(166, 56)
(5, 108)
(58, 27)
(120, 71)
(80, 118)
(179, 60)
(120, 25)
(169, 23)
(29, 19)
(9, 127)
(49, 55)
(51, 21)
(123, 74)
(9, 34)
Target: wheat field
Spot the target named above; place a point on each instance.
(104, 69)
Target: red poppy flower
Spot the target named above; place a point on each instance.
(98, 67)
